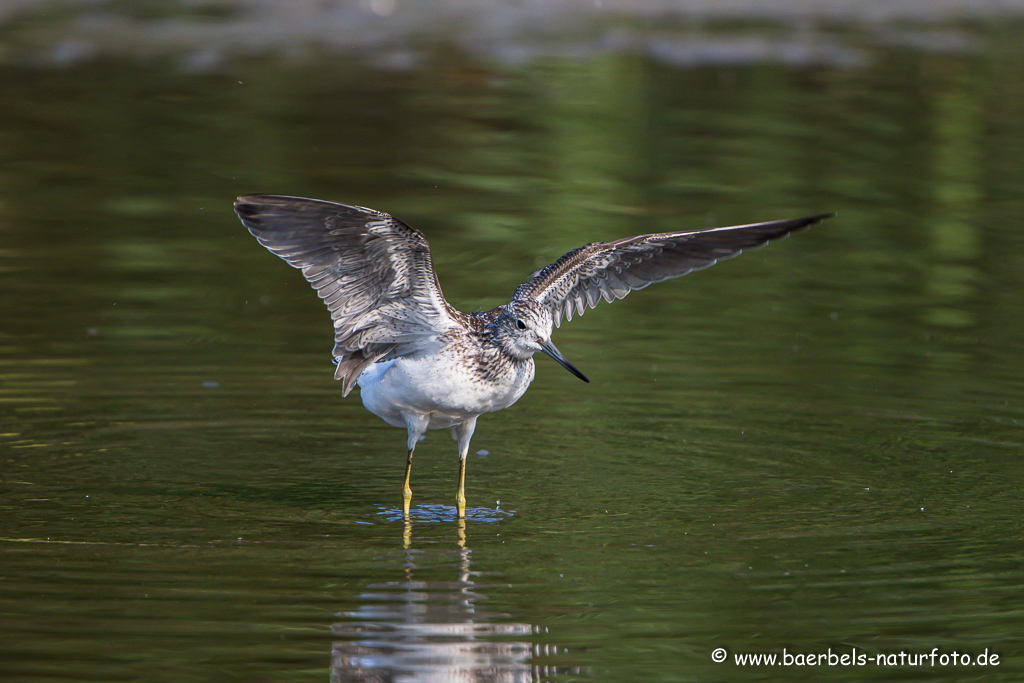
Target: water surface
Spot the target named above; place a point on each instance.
(816, 446)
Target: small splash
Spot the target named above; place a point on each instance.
(444, 513)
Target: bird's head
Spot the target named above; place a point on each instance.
(524, 328)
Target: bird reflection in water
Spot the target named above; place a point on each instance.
(433, 630)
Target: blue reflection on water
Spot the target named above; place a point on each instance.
(444, 513)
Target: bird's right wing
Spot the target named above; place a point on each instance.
(373, 271)
(611, 270)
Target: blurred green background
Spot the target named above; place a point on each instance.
(815, 446)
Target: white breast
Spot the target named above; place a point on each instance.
(448, 392)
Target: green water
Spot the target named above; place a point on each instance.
(815, 446)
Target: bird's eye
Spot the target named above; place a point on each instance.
(520, 325)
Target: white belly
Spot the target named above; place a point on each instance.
(445, 392)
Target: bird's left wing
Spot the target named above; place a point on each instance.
(373, 271)
(611, 270)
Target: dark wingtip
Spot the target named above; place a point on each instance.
(251, 203)
(245, 205)
(808, 221)
(788, 227)
(812, 220)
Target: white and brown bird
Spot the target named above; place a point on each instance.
(420, 363)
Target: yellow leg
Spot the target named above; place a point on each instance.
(463, 433)
(460, 496)
(406, 491)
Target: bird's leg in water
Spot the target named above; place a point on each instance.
(417, 426)
(463, 433)
(460, 494)
(406, 491)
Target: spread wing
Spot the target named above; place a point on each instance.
(374, 273)
(611, 270)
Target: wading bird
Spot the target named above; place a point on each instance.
(420, 363)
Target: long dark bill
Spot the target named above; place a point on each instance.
(549, 348)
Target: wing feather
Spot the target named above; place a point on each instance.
(611, 270)
(372, 271)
